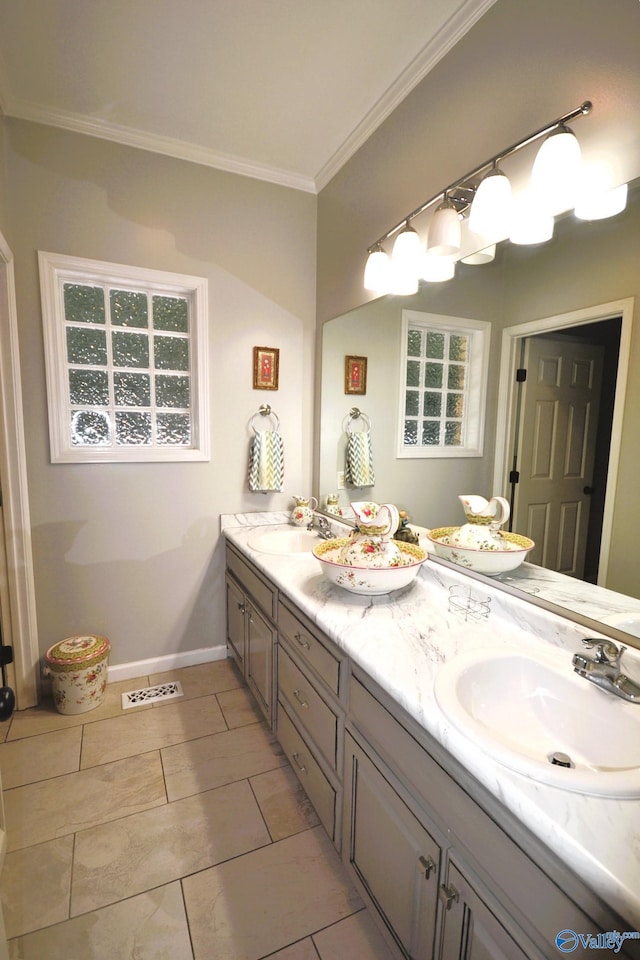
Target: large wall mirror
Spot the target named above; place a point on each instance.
(578, 290)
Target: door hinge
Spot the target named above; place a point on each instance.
(521, 375)
(514, 476)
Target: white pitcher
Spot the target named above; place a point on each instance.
(302, 513)
(484, 519)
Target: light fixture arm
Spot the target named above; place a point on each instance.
(580, 111)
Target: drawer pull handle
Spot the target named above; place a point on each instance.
(301, 700)
(303, 643)
(428, 864)
(448, 895)
(296, 759)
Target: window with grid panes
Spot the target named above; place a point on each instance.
(444, 371)
(126, 362)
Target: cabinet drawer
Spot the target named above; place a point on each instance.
(262, 592)
(309, 647)
(314, 714)
(316, 785)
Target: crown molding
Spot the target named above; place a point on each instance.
(168, 146)
(450, 33)
(446, 38)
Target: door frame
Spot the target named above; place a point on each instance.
(21, 629)
(505, 421)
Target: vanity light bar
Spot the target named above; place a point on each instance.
(462, 202)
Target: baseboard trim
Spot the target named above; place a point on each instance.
(173, 661)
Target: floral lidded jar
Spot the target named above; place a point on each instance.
(78, 667)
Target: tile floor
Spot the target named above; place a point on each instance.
(170, 830)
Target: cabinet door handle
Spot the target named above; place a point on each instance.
(449, 895)
(428, 864)
(296, 759)
(241, 607)
(303, 643)
(300, 699)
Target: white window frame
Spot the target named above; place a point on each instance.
(479, 333)
(56, 270)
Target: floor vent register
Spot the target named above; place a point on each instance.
(163, 691)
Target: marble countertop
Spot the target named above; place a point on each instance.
(402, 639)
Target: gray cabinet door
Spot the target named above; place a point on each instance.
(236, 622)
(391, 856)
(261, 638)
(472, 930)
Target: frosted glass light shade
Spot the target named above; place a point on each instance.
(602, 204)
(437, 268)
(445, 235)
(377, 272)
(482, 256)
(407, 250)
(491, 210)
(404, 282)
(406, 262)
(531, 224)
(555, 175)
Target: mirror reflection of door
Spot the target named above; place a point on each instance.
(561, 448)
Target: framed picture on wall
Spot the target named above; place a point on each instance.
(266, 363)
(355, 375)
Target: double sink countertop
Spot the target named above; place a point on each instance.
(402, 639)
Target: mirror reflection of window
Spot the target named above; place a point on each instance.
(444, 370)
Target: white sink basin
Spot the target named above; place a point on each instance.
(284, 541)
(522, 707)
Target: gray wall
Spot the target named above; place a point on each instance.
(133, 550)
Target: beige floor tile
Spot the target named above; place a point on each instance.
(36, 886)
(133, 733)
(284, 804)
(151, 926)
(356, 936)
(221, 758)
(239, 707)
(40, 757)
(202, 679)
(125, 857)
(45, 718)
(302, 950)
(259, 903)
(55, 808)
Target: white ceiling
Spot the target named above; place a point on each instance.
(281, 90)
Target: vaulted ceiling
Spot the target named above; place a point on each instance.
(281, 90)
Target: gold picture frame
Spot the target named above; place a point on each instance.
(266, 368)
(355, 375)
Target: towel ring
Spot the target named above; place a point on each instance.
(264, 410)
(355, 414)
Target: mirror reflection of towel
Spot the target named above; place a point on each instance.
(266, 462)
(359, 462)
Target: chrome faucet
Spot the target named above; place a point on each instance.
(604, 669)
(321, 524)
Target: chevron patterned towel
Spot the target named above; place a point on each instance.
(266, 462)
(359, 463)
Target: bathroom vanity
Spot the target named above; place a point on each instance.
(455, 854)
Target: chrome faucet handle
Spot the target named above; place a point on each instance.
(606, 650)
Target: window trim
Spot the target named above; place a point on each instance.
(480, 333)
(58, 269)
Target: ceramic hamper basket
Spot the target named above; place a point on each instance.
(78, 668)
